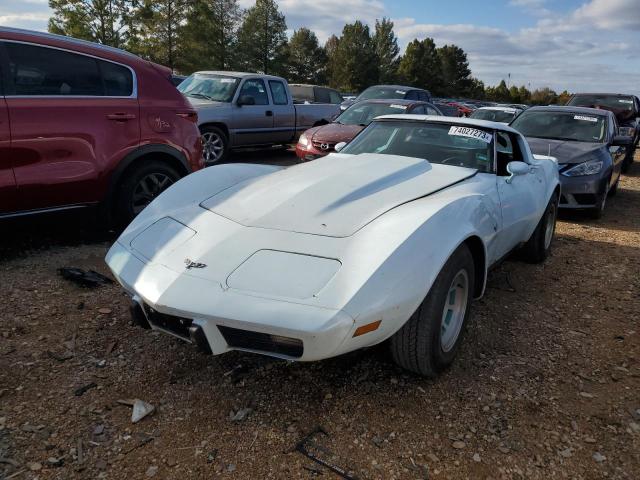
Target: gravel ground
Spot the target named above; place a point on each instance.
(547, 384)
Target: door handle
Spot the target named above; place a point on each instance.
(121, 117)
(269, 113)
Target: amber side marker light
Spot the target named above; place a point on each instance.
(369, 327)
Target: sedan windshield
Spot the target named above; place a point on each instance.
(501, 116)
(363, 113)
(561, 126)
(217, 88)
(383, 92)
(436, 142)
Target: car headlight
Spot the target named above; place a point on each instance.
(627, 131)
(587, 168)
(303, 140)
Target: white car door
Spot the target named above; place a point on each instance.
(522, 199)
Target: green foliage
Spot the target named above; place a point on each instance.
(307, 60)
(209, 35)
(420, 66)
(456, 75)
(387, 51)
(102, 21)
(262, 40)
(353, 64)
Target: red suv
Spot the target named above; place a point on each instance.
(83, 124)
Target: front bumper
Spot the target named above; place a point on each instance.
(203, 313)
(582, 192)
(309, 153)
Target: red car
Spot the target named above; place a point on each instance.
(320, 141)
(83, 124)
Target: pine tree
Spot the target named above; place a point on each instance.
(262, 39)
(209, 35)
(420, 66)
(330, 49)
(387, 50)
(102, 21)
(354, 64)
(307, 60)
(456, 75)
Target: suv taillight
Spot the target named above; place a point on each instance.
(189, 115)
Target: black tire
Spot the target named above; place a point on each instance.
(140, 186)
(215, 145)
(538, 247)
(628, 160)
(417, 346)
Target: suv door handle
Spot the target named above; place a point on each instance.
(269, 113)
(121, 117)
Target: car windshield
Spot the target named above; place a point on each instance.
(622, 107)
(575, 127)
(217, 88)
(493, 115)
(383, 92)
(363, 113)
(436, 142)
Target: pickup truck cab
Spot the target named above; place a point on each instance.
(248, 110)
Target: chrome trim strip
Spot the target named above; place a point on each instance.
(134, 93)
(37, 211)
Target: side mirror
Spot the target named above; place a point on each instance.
(621, 141)
(516, 169)
(246, 100)
(339, 146)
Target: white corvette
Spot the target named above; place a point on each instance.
(389, 239)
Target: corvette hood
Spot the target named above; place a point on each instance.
(334, 196)
(564, 151)
(336, 132)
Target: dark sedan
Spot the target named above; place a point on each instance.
(320, 141)
(588, 148)
(389, 92)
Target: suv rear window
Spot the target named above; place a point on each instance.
(622, 106)
(44, 71)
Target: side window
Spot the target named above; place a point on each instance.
(335, 97)
(412, 95)
(419, 110)
(255, 88)
(46, 71)
(504, 152)
(432, 111)
(322, 95)
(118, 80)
(278, 92)
(423, 96)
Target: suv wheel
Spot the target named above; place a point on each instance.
(214, 145)
(140, 187)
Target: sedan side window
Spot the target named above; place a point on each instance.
(504, 153)
(46, 71)
(432, 111)
(419, 110)
(255, 88)
(278, 92)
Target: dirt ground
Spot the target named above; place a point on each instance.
(547, 385)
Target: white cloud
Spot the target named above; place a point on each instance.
(610, 14)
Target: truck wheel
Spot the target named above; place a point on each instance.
(429, 341)
(537, 248)
(214, 145)
(140, 186)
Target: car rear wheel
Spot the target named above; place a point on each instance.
(538, 247)
(214, 145)
(140, 187)
(429, 341)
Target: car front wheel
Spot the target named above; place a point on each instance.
(214, 145)
(537, 248)
(429, 341)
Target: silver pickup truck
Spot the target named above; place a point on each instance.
(248, 110)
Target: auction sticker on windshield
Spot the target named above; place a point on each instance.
(400, 92)
(401, 107)
(585, 119)
(625, 101)
(471, 133)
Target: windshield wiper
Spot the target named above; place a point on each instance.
(200, 95)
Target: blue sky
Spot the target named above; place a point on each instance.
(576, 45)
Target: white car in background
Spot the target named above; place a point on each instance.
(391, 238)
(496, 114)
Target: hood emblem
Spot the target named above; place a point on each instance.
(324, 146)
(189, 264)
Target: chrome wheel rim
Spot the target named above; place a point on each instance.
(212, 147)
(455, 308)
(148, 188)
(550, 226)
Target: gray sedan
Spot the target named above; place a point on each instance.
(588, 148)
